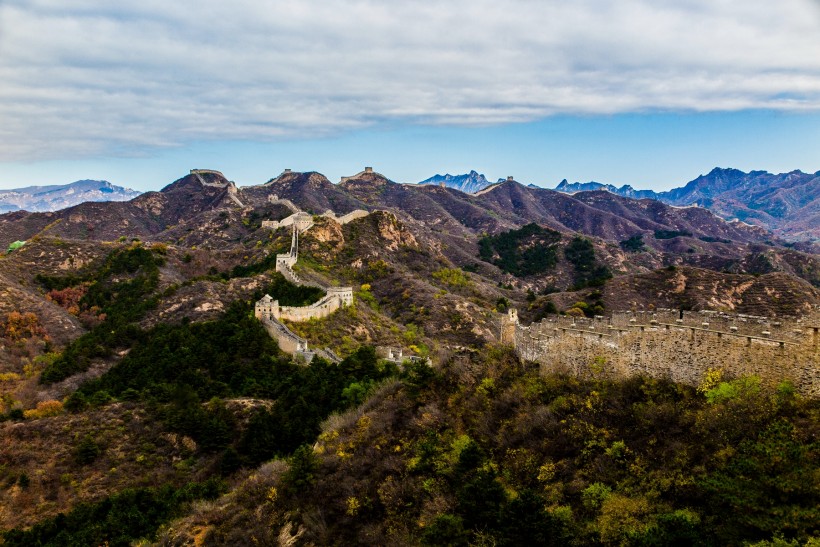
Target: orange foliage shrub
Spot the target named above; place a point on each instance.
(21, 325)
(44, 409)
(68, 298)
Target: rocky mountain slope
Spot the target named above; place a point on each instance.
(629, 236)
(55, 197)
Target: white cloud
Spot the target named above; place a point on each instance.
(91, 77)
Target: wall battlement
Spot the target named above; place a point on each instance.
(232, 191)
(344, 219)
(303, 222)
(271, 313)
(367, 171)
(682, 347)
(207, 172)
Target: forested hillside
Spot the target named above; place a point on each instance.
(483, 451)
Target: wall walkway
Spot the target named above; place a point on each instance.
(271, 313)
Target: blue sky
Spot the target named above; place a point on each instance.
(647, 93)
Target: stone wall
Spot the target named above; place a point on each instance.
(303, 222)
(287, 340)
(207, 172)
(662, 344)
(349, 217)
(276, 200)
(318, 310)
(271, 313)
(344, 294)
(199, 172)
(367, 171)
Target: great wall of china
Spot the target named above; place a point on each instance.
(663, 343)
(268, 310)
(304, 220)
(681, 346)
(232, 191)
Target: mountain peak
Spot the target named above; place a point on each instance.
(469, 183)
(368, 174)
(61, 196)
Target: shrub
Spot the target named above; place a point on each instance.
(21, 325)
(453, 277)
(726, 391)
(44, 409)
(588, 272)
(446, 530)
(634, 244)
(76, 402)
(87, 451)
(669, 234)
(595, 494)
(302, 471)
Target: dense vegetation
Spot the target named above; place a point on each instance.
(633, 244)
(119, 520)
(588, 271)
(118, 294)
(177, 368)
(527, 251)
(710, 239)
(187, 375)
(591, 305)
(669, 234)
(481, 453)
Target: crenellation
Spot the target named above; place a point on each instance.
(348, 217)
(207, 172)
(271, 313)
(679, 345)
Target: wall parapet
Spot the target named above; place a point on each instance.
(671, 344)
(271, 313)
(348, 217)
(207, 172)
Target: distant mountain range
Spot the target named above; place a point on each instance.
(60, 196)
(470, 183)
(786, 203)
(626, 190)
(435, 226)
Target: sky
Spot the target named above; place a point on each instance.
(650, 93)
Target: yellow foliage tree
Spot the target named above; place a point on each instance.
(44, 409)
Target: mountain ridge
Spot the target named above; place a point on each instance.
(786, 203)
(60, 196)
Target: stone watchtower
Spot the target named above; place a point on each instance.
(509, 322)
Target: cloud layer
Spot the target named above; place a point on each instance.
(90, 78)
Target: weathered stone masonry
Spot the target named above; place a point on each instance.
(270, 313)
(681, 346)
